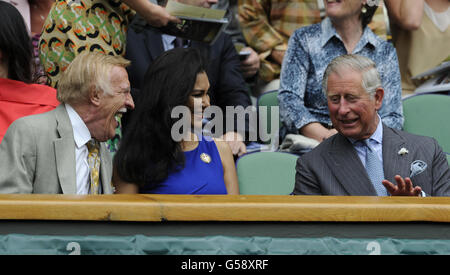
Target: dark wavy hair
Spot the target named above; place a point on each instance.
(366, 17)
(15, 43)
(147, 153)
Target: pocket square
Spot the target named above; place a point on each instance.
(417, 167)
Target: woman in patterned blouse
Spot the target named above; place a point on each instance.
(303, 106)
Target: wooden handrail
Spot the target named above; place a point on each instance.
(223, 208)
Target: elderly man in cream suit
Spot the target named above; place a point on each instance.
(63, 151)
(366, 158)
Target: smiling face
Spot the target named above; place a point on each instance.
(352, 110)
(112, 104)
(338, 9)
(198, 100)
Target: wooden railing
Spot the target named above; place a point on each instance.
(223, 208)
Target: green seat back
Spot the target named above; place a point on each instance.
(448, 159)
(428, 115)
(268, 99)
(266, 173)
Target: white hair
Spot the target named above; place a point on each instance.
(371, 80)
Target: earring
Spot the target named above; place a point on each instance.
(363, 10)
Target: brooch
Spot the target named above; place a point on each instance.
(205, 158)
(403, 151)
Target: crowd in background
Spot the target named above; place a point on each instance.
(289, 45)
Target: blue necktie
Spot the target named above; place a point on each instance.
(374, 169)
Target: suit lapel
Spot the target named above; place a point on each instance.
(393, 162)
(105, 169)
(65, 152)
(346, 166)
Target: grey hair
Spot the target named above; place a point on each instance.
(371, 80)
(88, 70)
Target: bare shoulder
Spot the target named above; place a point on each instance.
(222, 146)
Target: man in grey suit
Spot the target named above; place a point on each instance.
(63, 151)
(365, 157)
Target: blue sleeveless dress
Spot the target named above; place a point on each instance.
(202, 174)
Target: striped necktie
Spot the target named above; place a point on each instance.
(94, 166)
(374, 169)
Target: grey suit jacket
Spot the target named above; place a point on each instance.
(37, 155)
(334, 168)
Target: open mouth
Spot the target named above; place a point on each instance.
(119, 114)
(348, 122)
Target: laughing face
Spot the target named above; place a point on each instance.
(113, 104)
(352, 110)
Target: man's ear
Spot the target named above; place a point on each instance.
(95, 96)
(378, 97)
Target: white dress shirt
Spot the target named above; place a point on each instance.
(81, 135)
(168, 41)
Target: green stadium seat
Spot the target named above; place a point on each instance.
(266, 173)
(428, 115)
(267, 99)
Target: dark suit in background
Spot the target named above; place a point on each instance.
(228, 87)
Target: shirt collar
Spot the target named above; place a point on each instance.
(81, 132)
(328, 32)
(168, 39)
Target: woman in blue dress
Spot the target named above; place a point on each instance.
(154, 157)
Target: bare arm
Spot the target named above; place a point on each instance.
(277, 56)
(236, 142)
(406, 13)
(229, 169)
(155, 15)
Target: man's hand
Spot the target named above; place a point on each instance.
(404, 187)
(250, 65)
(236, 143)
